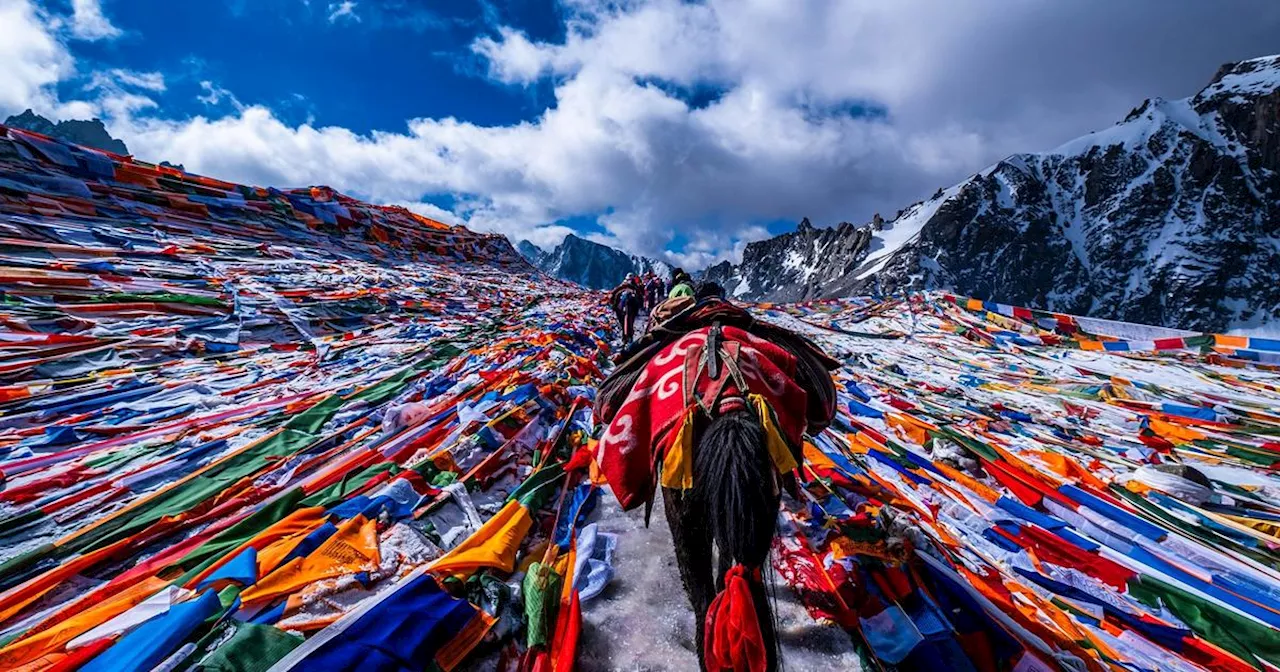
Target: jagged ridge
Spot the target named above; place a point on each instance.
(590, 264)
(1169, 217)
(91, 133)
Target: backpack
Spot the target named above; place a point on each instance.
(625, 297)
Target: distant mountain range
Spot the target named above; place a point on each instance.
(90, 133)
(588, 263)
(1170, 217)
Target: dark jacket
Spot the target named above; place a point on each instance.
(632, 302)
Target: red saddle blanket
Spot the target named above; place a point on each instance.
(655, 425)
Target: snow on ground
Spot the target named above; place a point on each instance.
(1259, 325)
(1128, 330)
(643, 622)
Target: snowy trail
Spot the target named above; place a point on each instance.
(642, 622)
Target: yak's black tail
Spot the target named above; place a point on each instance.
(736, 487)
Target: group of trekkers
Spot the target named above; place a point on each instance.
(645, 293)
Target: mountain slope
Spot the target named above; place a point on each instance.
(797, 265)
(588, 263)
(90, 133)
(1170, 217)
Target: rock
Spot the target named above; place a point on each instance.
(92, 133)
(794, 266)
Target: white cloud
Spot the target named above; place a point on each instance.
(215, 95)
(89, 23)
(706, 248)
(151, 81)
(345, 10)
(430, 211)
(512, 58)
(32, 60)
(951, 87)
(121, 94)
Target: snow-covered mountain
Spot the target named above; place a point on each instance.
(803, 264)
(1170, 217)
(588, 263)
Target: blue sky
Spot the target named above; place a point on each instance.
(367, 70)
(669, 128)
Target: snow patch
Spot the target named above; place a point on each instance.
(1256, 77)
(902, 230)
(794, 260)
(1007, 194)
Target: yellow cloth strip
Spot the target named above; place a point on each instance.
(677, 466)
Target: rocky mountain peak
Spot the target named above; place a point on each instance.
(589, 263)
(529, 251)
(1254, 77)
(1171, 217)
(91, 133)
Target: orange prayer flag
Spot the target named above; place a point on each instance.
(1174, 432)
(291, 528)
(816, 458)
(1223, 340)
(53, 638)
(913, 429)
(352, 549)
(981, 489)
(493, 545)
(1065, 466)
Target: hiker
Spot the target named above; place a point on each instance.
(713, 405)
(626, 300)
(681, 284)
(709, 290)
(677, 304)
(653, 293)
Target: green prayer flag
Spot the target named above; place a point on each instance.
(253, 648)
(1238, 634)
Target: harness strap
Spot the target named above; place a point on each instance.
(712, 352)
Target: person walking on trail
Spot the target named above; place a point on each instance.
(642, 281)
(626, 300)
(681, 284)
(652, 291)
